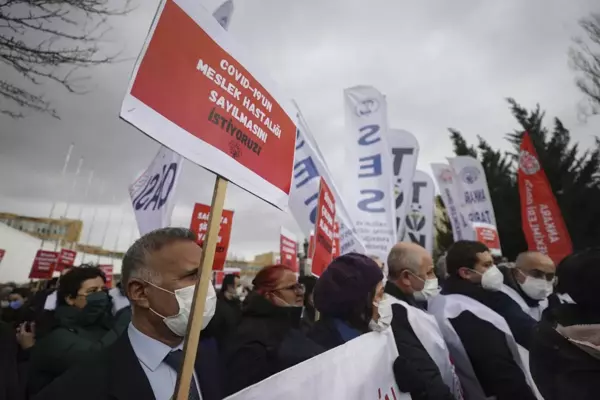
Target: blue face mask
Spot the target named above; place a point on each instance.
(15, 304)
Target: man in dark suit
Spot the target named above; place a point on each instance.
(159, 274)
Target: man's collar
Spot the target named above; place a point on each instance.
(395, 291)
(149, 351)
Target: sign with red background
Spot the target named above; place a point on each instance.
(324, 227)
(189, 79)
(488, 235)
(66, 259)
(199, 225)
(288, 250)
(108, 272)
(543, 224)
(336, 241)
(43, 264)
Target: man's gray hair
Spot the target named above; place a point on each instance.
(134, 262)
(403, 258)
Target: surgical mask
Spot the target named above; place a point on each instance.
(15, 304)
(492, 279)
(384, 309)
(431, 289)
(185, 297)
(239, 292)
(97, 305)
(536, 288)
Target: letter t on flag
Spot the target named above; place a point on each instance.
(541, 218)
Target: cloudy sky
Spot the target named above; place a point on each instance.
(440, 63)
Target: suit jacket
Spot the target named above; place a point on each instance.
(116, 374)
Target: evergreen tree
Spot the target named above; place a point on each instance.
(585, 57)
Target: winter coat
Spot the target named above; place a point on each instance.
(10, 388)
(70, 342)
(267, 340)
(561, 369)
(486, 345)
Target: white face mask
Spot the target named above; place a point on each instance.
(384, 308)
(431, 289)
(178, 323)
(239, 292)
(536, 288)
(492, 279)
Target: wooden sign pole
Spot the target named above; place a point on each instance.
(194, 329)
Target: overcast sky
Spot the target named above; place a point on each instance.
(440, 63)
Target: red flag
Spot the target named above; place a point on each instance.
(324, 226)
(542, 220)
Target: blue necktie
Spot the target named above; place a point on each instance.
(175, 360)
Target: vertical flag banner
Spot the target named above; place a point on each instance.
(288, 249)
(336, 240)
(199, 225)
(311, 244)
(108, 273)
(472, 188)
(448, 186)
(66, 259)
(542, 220)
(153, 193)
(405, 151)
(309, 168)
(205, 98)
(43, 264)
(369, 183)
(419, 218)
(324, 230)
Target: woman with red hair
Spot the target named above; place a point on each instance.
(268, 338)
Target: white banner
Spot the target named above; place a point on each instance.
(369, 182)
(153, 193)
(405, 151)
(358, 370)
(309, 167)
(419, 218)
(461, 229)
(473, 193)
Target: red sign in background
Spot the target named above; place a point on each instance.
(108, 272)
(66, 259)
(489, 237)
(199, 225)
(336, 241)
(189, 79)
(2, 252)
(288, 250)
(324, 227)
(43, 264)
(542, 220)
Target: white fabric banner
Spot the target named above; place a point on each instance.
(309, 167)
(358, 370)
(446, 180)
(223, 14)
(405, 151)
(153, 193)
(369, 182)
(419, 218)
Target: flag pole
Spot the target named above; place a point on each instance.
(102, 243)
(62, 177)
(85, 196)
(121, 221)
(94, 215)
(68, 205)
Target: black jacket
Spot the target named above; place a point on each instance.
(486, 346)
(561, 370)
(228, 314)
(116, 374)
(326, 333)
(427, 382)
(10, 388)
(267, 341)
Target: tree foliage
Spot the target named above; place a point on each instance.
(573, 175)
(48, 41)
(585, 58)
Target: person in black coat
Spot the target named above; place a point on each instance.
(10, 388)
(309, 313)
(268, 339)
(159, 274)
(229, 309)
(564, 357)
(473, 274)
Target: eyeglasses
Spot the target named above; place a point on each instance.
(297, 287)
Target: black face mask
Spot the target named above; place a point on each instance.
(97, 306)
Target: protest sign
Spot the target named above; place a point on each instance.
(323, 246)
(288, 249)
(66, 259)
(542, 220)
(419, 218)
(108, 273)
(198, 92)
(357, 370)
(199, 225)
(336, 241)
(43, 264)
(488, 235)
(153, 192)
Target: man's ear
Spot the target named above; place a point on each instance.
(136, 292)
(464, 273)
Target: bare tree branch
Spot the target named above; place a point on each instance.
(586, 60)
(67, 37)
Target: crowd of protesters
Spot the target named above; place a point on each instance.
(469, 327)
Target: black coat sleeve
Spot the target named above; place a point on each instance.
(492, 360)
(414, 369)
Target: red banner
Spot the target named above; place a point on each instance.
(189, 79)
(2, 252)
(108, 272)
(199, 224)
(488, 235)
(311, 245)
(542, 220)
(288, 250)
(43, 264)
(336, 241)
(66, 259)
(323, 230)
